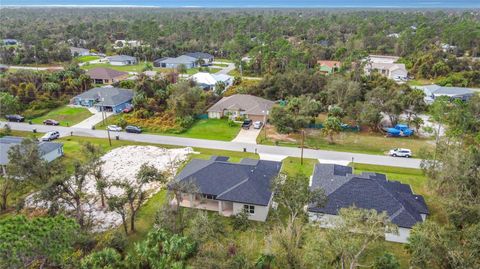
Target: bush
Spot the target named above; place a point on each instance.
(122, 122)
(231, 123)
(386, 261)
(240, 221)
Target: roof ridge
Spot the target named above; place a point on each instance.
(402, 206)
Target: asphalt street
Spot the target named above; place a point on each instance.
(222, 145)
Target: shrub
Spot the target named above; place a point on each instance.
(240, 221)
(122, 122)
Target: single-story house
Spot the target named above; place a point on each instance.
(79, 52)
(105, 99)
(389, 70)
(167, 62)
(126, 43)
(229, 188)
(48, 151)
(3, 68)
(368, 191)
(329, 67)
(386, 59)
(122, 60)
(208, 81)
(434, 91)
(252, 107)
(206, 58)
(101, 75)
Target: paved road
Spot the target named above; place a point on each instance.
(233, 146)
(37, 68)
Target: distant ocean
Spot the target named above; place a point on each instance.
(254, 3)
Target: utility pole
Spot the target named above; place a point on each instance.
(109, 139)
(353, 167)
(303, 141)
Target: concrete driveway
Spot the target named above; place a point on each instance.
(92, 120)
(247, 136)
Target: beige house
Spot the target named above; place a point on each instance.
(102, 75)
(252, 107)
(230, 188)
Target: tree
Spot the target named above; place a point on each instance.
(331, 127)
(162, 250)
(386, 261)
(182, 69)
(9, 104)
(133, 192)
(119, 205)
(42, 242)
(178, 189)
(94, 168)
(297, 114)
(147, 67)
(371, 116)
(186, 100)
(345, 243)
(107, 258)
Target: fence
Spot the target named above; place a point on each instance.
(345, 127)
(201, 116)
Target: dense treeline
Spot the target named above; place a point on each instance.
(278, 40)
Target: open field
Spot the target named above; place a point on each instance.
(67, 116)
(88, 58)
(126, 68)
(212, 129)
(361, 142)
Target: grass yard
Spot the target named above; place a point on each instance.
(67, 116)
(361, 142)
(293, 165)
(125, 68)
(212, 129)
(87, 58)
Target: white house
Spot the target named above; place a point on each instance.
(433, 91)
(79, 52)
(229, 188)
(122, 60)
(369, 191)
(209, 81)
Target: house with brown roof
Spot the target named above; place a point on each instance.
(329, 67)
(237, 105)
(101, 75)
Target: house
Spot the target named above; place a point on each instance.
(122, 60)
(79, 52)
(369, 191)
(390, 70)
(3, 68)
(101, 75)
(118, 44)
(382, 59)
(48, 151)
(434, 91)
(229, 188)
(208, 81)
(252, 107)
(329, 67)
(448, 48)
(204, 58)
(105, 99)
(167, 62)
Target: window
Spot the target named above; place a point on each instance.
(249, 209)
(208, 196)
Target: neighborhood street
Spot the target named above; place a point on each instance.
(333, 156)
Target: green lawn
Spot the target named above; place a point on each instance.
(87, 58)
(67, 116)
(292, 165)
(212, 129)
(125, 68)
(361, 142)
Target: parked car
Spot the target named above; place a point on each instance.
(114, 128)
(50, 136)
(133, 129)
(15, 117)
(246, 124)
(257, 124)
(51, 122)
(400, 153)
(127, 109)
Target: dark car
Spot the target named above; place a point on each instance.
(133, 129)
(127, 109)
(246, 124)
(15, 117)
(51, 122)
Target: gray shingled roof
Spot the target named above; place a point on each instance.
(105, 73)
(200, 55)
(121, 58)
(245, 182)
(183, 59)
(111, 96)
(252, 105)
(370, 191)
(7, 142)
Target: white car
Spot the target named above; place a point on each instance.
(257, 124)
(114, 128)
(400, 153)
(50, 136)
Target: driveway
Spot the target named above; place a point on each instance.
(92, 120)
(222, 145)
(224, 70)
(247, 136)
